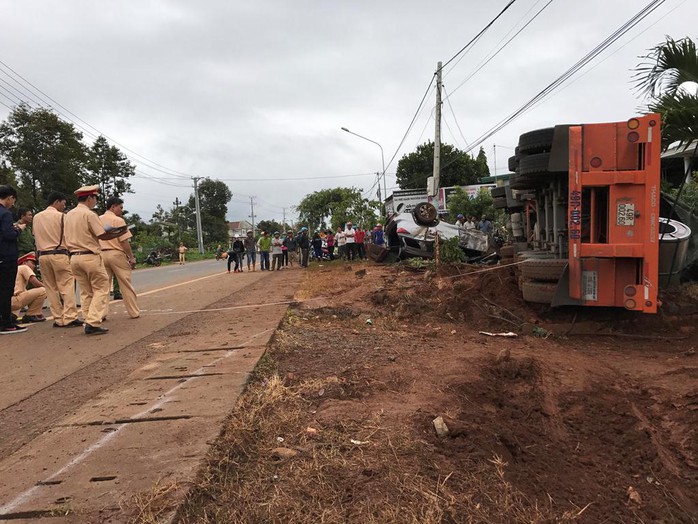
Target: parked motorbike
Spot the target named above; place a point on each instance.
(153, 259)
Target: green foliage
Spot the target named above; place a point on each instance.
(450, 252)
(483, 204)
(689, 194)
(671, 65)
(108, 168)
(45, 153)
(269, 226)
(335, 207)
(214, 196)
(457, 167)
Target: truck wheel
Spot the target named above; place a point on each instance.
(425, 214)
(545, 269)
(513, 163)
(500, 191)
(538, 292)
(520, 182)
(499, 203)
(536, 141)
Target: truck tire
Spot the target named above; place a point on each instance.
(538, 292)
(499, 191)
(544, 269)
(534, 165)
(517, 181)
(507, 251)
(537, 141)
(513, 163)
(425, 214)
(500, 203)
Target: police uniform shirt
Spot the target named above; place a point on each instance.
(110, 219)
(24, 273)
(47, 230)
(82, 226)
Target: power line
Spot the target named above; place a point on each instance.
(624, 28)
(484, 29)
(33, 90)
(487, 61)
(454, 115)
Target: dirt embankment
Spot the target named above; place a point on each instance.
(549, 426)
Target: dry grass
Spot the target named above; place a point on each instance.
(374, 467)
(154, 506)
(333, 480)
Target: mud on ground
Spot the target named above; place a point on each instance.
(587, 416)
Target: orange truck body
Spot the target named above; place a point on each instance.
(613, 213)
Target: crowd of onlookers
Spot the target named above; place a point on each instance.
(281, 250)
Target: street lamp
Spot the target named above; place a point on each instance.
(385, 186)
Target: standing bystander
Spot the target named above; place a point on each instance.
(250, 250)
(25, 241)
(264, 248)
(8, 260)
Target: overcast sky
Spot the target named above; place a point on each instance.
(256, 90)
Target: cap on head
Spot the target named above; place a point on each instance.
(304, 229)
(379, 225)
(276, 233)
(29, 256)
(86, 191)
(460, 216)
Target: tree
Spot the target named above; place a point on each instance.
(214, 196)
(482, 204)
(108, 168)
(663, 80)
(457, 167)
(45, 153)
(269, 226)
(335, 207)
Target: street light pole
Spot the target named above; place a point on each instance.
(385, 186)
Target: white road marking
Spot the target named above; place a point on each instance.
(28, 493)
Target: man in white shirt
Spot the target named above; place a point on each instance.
(341, 241)
(351, 243)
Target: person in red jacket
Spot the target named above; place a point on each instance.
(359, 237)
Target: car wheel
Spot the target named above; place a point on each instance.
(425, 214)
(545, 269)
(538, 292)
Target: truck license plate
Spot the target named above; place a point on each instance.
(625, 214)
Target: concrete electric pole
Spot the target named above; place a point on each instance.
(437, 133)
(199, 232)
(252, 215)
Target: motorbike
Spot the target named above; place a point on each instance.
(153, 259)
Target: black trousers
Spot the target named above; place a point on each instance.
(8, 274)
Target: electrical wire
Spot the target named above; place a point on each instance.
(623, 29)
(489, 59)
(454, 116)
(482, 31)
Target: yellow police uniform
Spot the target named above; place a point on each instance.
(56, 273)
(32, 298)
(82, 227)
(116, 263)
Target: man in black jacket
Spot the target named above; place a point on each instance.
(9, 232)
(304, 245)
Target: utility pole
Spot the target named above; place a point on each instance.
(252, 215)
(283, 222)
(199, 232)
(494, 152)
(437, 134)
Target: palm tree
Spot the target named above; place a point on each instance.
(663, 80)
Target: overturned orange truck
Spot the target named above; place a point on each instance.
(584, 201)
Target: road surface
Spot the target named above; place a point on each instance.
(86, 422)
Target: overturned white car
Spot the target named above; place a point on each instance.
(413, 234)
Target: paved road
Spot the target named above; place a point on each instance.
(150, 278)
(86, 422)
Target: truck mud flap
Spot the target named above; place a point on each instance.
(562, 294)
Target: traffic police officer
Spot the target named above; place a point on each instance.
(54, 257)
(117, 255)
(82, 227)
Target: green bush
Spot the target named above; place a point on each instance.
(450, 252)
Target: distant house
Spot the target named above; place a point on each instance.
(238, 228)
